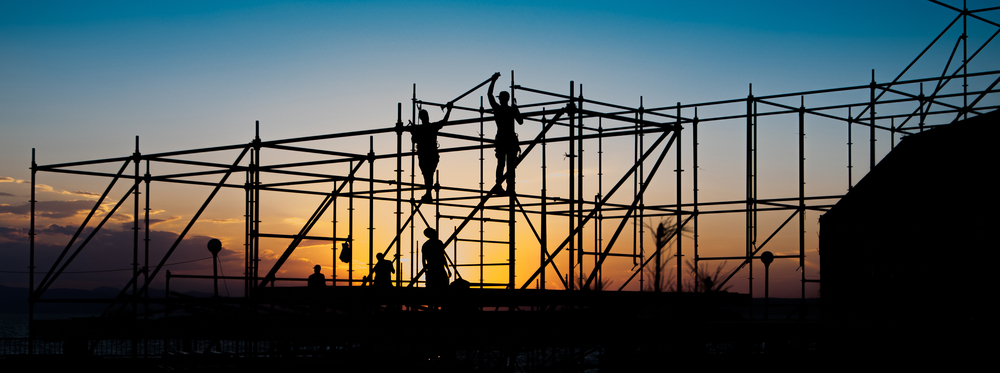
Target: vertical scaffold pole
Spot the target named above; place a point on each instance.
(135, 246)
(579, 185)
(749, 193)
(31, 258)
(255, 169)
(413, 176)
(437, 206)
(482, 184)
(802, 196)
(512, 194)
(350, 223)
(639, 186)
(247, 228)
(145, 267)
(965, 60)
(756, 187)
(850, 154)
(572, 205)
(600, 194)
(871, 124)
(544, 223)
(677, 236)
(371, 205)
(694, 194)
(636, 249)
(399, 191)
(333, 234)
(135, 231)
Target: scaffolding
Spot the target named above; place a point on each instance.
(575, 231)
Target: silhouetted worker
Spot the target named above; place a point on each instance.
(383, 272)
(435, 266)
(425, 137)
(316, 280)
(506, 140)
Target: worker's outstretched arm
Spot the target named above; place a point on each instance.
(489, 92)
(446, 114)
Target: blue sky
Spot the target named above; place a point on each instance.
(78, 80)
(110, 70)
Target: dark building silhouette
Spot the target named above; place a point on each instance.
(909, 250)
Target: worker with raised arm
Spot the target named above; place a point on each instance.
(506, 140)
(425, 137)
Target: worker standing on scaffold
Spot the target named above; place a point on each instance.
(425, 136)
(506, 140)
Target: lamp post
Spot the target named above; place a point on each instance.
(215, 246)
(767, 258)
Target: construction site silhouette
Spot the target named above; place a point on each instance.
(457, 301)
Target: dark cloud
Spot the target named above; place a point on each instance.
(14, 233)
(50, 209)
(5, 194)
(58, 229)
(107, 258)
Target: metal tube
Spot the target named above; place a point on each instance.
(678, 171)
(749, 191)
(333, 236)
(135, 230)
(31, 258)
(850, 154)
(871, 115)
(600, 190)
(544, 217)
(145, 265)
(694, 195)
(572, 205)
(579, 184)
(802, 201)
(371, 206)
(350, 227)
(482, 184)
(399, 191)
(512, 195)
(965, 59)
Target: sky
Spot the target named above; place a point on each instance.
(79, 80)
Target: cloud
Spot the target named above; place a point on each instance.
(5, 194)
(153, 222)
(82, 193)
(295, 221)
(224, 221)
(49, 188)
(49, 209)
(8, 179)
(67, 230)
